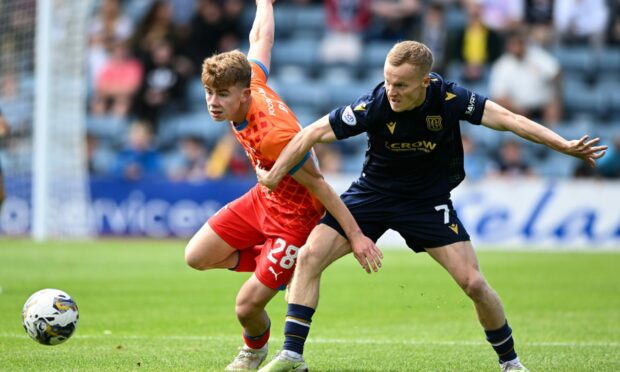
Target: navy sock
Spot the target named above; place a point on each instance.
(297, 326)
(502, 342)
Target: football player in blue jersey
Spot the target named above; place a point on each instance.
(414, 159)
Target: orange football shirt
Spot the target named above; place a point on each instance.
(268, 126)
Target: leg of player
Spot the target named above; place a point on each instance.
(250, 309)
(460, 260)
(324, 246)
(206, 250)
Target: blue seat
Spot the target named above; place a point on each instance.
(583, 100)
(110, 129)
(297, 52)
(375, 53)
(198, 123)
(609, 60)
(309, 20)
(305, 93)
(195, 93)
(579, 58)
(556, 165)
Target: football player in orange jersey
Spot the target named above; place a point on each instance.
(261, 231)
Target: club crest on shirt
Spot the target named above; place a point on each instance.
(348, 117)
(433, 123)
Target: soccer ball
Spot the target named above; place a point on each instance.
(50, 316)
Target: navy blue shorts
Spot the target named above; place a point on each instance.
(422, 223)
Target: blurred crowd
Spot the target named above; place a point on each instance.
(555, 61)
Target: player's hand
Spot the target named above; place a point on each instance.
(585, 149)
(264, 177)
(366, 253)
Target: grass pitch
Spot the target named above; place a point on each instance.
(141, 308)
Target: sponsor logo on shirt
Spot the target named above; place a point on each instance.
(433, 123)
(449, 96)
(424, 146)
(348, 117)
(391, 126)
(471, 105)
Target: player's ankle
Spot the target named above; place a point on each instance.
(291, 354)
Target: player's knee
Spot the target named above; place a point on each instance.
(246, 309)
(308, 261)
(474, 286)
(195, 258)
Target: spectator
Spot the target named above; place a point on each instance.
(206, 28)
(138, 160)
(526, 80)
(501, 15)
(434, 34)
(228, 159)
(117, 82)
(155, 27)
(510, 163)
(476, 45)
(109, 27)
(99, 161)
(347, 21)
(538, 16)
(395, 19)
(613, 31)
(193, 162)
(581, 21)
(163, 86)
(16, 103)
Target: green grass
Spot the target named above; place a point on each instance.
(141, 308)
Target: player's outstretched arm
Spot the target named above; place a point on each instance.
(295, 150)
(364, 249)
(499, 118)
(262, 33)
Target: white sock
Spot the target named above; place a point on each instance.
(291, 354)
(514, 361)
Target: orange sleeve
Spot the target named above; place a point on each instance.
(273, 144)
(259, 72)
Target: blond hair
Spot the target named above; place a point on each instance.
(226, 69)
(413, 53)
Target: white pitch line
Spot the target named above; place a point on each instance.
(357, 341)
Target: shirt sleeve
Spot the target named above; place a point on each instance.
(465, 105)
(353, 119)
(259, 71)
(273, 144)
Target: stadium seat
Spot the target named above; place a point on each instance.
(197, 123)
(581, 100)
(108, 129)
(556, 165)
(375, 53)
(309, 20)
(576, 59)
(306, 93)
(609, 60)
(195, 94)
(297, 52)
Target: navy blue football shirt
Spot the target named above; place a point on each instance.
(416, 153)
